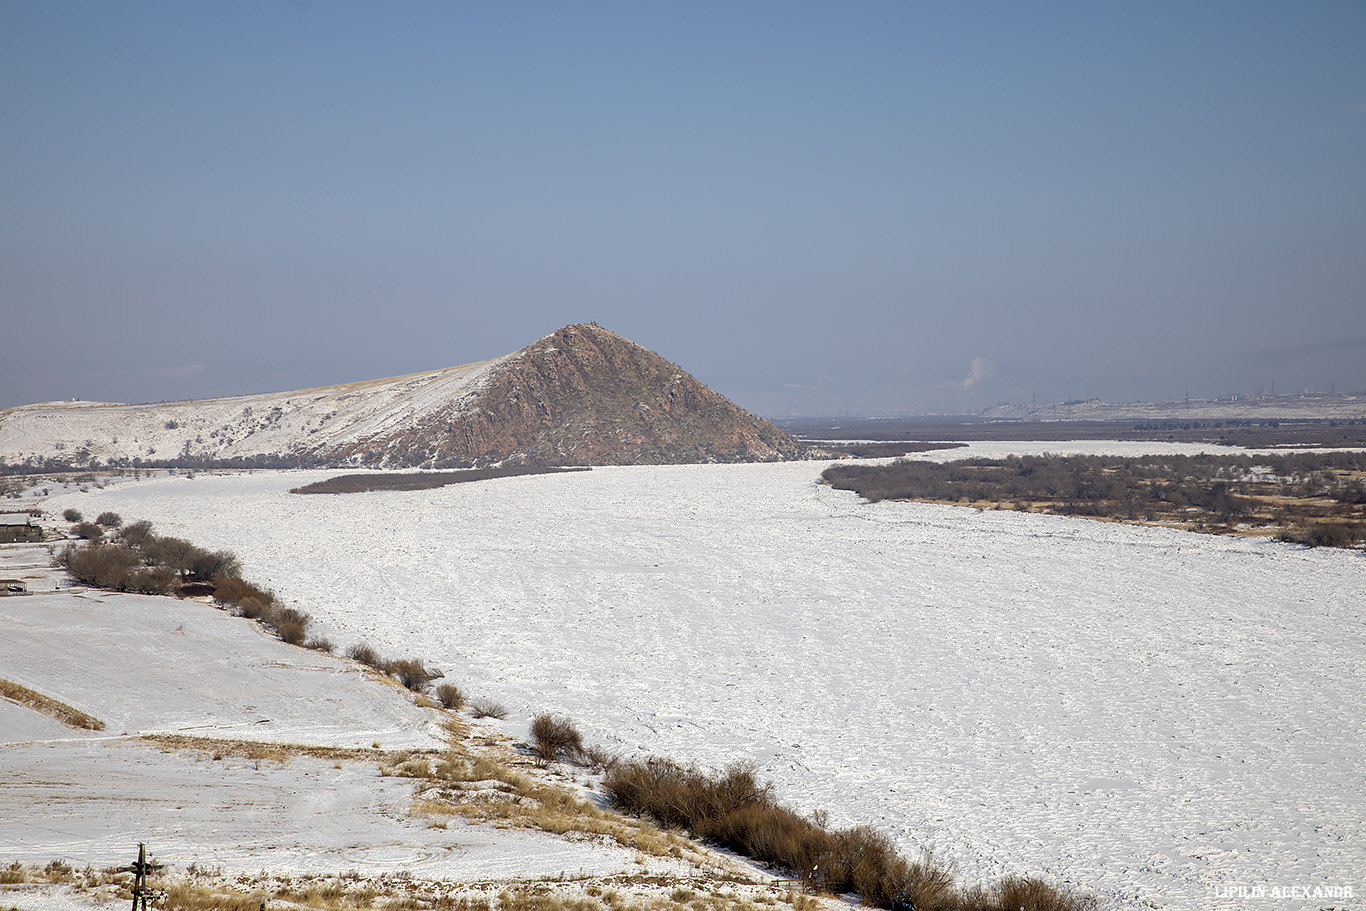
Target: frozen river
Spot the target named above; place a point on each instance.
(1154, 715)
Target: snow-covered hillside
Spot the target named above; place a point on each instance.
(580, 396)
(1152, 714)
(299, 423)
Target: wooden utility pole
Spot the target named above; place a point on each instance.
(140, 868)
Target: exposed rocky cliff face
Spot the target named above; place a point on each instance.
(580, 396)
(584, 396)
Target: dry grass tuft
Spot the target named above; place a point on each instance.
(483, 789)
(278, 752)
(188, 896)
(487, 708)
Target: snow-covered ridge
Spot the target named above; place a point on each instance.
(1305, 407)
(304, 424)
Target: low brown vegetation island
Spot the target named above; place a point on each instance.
(1317, 499)
(425, 480)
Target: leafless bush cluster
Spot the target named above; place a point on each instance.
(1324, 534)
(139, 560)
(142, 561)
(136, 534)
(732, 809)
(89, 531)
(190, 562)
(1316, 497)
(115, 567)
(411, 672)
(262, 605)
(365, 655)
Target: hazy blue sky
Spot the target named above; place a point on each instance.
(812, 207)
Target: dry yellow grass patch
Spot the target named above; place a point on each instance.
(486, 789)
(204, 889)
(67, 715)
(278, 752)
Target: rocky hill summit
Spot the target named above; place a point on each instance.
(580, 396)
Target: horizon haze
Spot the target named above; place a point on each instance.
(886, 209)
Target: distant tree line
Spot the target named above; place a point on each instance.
(53, 465)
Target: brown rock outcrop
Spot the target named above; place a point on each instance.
(583, 396)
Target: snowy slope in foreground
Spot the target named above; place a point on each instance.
(156, 665)
(1152, 714)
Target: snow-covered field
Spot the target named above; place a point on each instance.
(1154, 715)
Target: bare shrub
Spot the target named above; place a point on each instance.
(231, 590)
(262, 605)
(136, 534)
(487, 708)
(365, 655)
(555, 738)
(189, 560)
(175, 553)
(1029, 893)
(733, 809)
(155, 580)
(291, 632)
(280, 615)
(89, 531)
(450, 697)
(320, 644)
(72, 515)
(109, 519)
(170, 560)
(253, 608)
(101, 565)
(289, 624)
(206, 565)
(598, 758)
(1322, 534)
(411, 672)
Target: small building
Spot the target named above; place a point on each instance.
(12, 587)
(19, 527)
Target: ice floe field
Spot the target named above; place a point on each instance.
(1161, 717)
